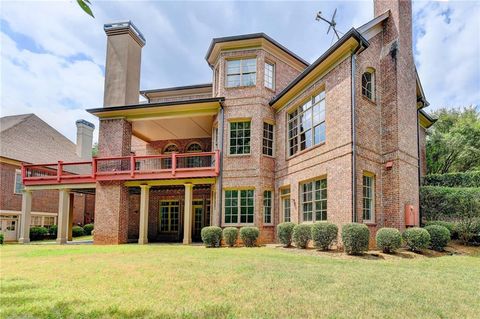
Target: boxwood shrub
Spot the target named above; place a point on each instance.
(249, 236)
(285, 232)
(38, 233)
(439, 236)
(52, 230)
(1, 238)
(416, 238)
(77, 231)
(355, 238)
(324, 234)
(469, 230)
(302, 233)
(388, 239)
(211, 236)
(451, 226)
(88, 228)
(230, 235)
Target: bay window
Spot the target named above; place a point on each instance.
(241, 72)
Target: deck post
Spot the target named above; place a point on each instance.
(144, 201)
(26, 217)
(188, 212)
(63, 212)
(70, 216)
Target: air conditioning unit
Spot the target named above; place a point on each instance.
(411, 216)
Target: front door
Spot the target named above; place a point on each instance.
(169, 220)
(197, 220)
(8, 226)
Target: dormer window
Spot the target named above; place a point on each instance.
(368, 84)
(242, 72)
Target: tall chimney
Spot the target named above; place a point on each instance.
(84, 139)
(122, 69)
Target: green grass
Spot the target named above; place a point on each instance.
(174, 281)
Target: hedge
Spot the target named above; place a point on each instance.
(77, 231)
(355, 238)
(417, 239)
(230, 235)
(448, 203)
(1, 238)
(249, 236)
(88, 228)
(211, 236)
(302, 233)
(324, 234)
(468, 179)
(284, 233)
(439, 236)
(38, 233)
(388, 239)
(451, 226)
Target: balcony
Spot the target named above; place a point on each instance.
(124, 168)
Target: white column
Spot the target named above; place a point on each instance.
(144, 201)
(63, 212)
(187, 220)
(26, 217)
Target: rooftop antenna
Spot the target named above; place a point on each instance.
(331, 23)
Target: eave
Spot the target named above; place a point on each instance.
(425, 119)
(177, 90)
(346, 45)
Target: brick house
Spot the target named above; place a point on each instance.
(27, 139)
(271, 139)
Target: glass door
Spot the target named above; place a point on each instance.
(197, 220)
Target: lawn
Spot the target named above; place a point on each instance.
(174, 281)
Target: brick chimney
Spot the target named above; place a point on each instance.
(84, 139)
(122, 68)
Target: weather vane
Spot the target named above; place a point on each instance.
(332, 24)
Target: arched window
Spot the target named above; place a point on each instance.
(194, 148)
(169, 149)
(368, 84)
(194, 161)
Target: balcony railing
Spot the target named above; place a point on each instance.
(175, 165)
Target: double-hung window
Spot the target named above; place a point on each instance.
(267, 207)
(267, 139)
(269, 75)
(18, 188)
(368, 198)
(313, 198)
(239, 206)
(306, 125)
(240, 138)
(285, 198)
(242, 72)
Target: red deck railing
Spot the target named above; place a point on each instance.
(175, 165)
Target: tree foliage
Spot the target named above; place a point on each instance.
(85, 5)
(453, 143)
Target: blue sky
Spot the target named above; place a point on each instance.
(53, 54)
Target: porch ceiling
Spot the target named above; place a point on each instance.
(173, 128)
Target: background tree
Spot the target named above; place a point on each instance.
(453, 143)
(85, 5)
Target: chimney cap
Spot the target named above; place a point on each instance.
(86, 123)
(124, 27)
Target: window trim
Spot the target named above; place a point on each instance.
(300, 199)
(265, 74)
(238, 223)
(238, 120)
(17, 172)
(270, 122)
(372, 212)
(240, 74)
(272, 201)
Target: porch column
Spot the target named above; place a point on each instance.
(70, 216)
(63, 212)
(26, 217)
(187, 221)
(144, 201)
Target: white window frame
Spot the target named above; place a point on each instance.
(285, 196)
(239, 206)
(371, 197)
(269, 77)
(314, 201)
(265, 206)
(15, 183)
(230, 137)
(365, 90)
(295, 118)
(241, 73)
(267, 139)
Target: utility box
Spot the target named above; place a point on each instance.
(411, 216)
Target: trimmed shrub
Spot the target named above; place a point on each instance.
(446, 203)
(88, 228)
(451, 226)
(469, 230)
(52, 230)
(416, 238)
(324, 234)
(439, 236)
(38, 233)
(388, 239)
(230, 235)
(355, 238)
(285, 232)
(1, 238)
(211, 236)
(77, 231)
(466, 179)
(249, 236)
(302, 233)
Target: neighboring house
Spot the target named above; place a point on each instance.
(272, 139)
(27, 139)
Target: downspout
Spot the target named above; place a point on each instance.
(419, 170)
(354, 138)
(220, 175)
